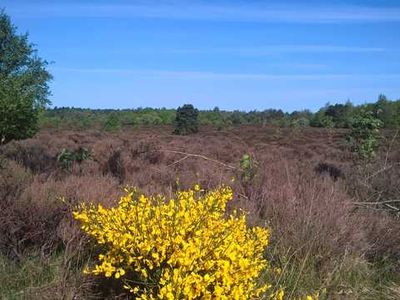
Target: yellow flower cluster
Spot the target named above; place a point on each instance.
(182, 248)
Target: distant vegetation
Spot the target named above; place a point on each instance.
(329, 116)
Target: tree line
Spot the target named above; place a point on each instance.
(329, 116)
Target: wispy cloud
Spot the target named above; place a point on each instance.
(167, 74)
(273, 49)
(185, 10)
(237, 50)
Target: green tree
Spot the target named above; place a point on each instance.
(186, 120)
(340, 114)
(24, 86)
(387, 111)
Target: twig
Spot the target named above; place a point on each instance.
(392, 207)
(187, 155)
(376, 203)
(381, 170)
(390, 146)
(178, 161)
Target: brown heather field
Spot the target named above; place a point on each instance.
(308, 188)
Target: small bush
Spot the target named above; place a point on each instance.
(67, 157)
(147, 151)
(248, 168)
(364, 134)
(13, 180)
(115, 166)
(185, 248)
(112, 123)
(329, 169)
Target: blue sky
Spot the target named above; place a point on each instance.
(232, 54)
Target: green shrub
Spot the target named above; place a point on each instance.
(248, 168)
(364, 134)
(67, 157)
(112, 122)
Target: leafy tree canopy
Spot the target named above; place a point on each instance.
(24, 81)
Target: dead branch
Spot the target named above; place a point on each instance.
(377, 203)
(187, 155)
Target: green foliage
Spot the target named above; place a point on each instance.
(23, 84)
(327, 122)
(321, 119)
(67, 157)
(248, 168)
(300, 122)
(340, 114)
(112, 123)
(387, 111)
(186, 120)
(363, 137)
(82, 154)
(236, 117)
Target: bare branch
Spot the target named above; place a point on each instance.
(377, 203)
(187, 155)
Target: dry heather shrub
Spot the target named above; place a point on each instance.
(383, 235)
(29, 153)
(147, 150)
(104, 148)
(98, 189)
(31, 221)
(91, 189)
(36, 222)
(374, 185)
(13, 180)
(184, 248)
(376, 182)
(305, 207)
(116, 166)
(313, 224)
(29, 225)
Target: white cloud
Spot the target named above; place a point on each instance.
(166, 74)
(273, 49)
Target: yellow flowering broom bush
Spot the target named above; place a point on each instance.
(182, 248)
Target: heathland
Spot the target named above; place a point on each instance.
(332, 216)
